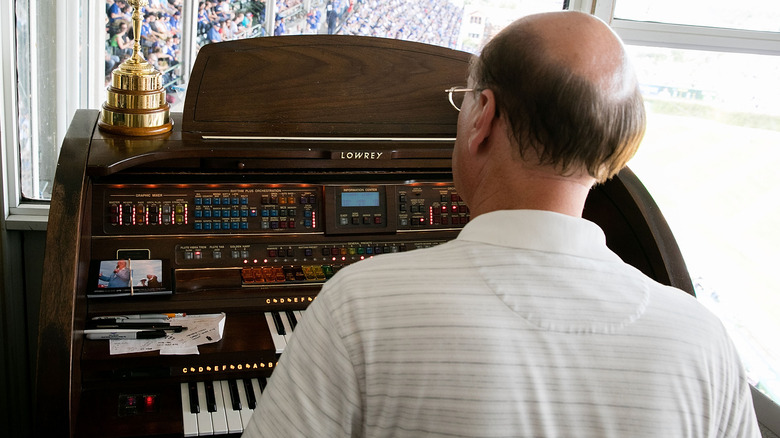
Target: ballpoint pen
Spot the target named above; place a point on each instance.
(142, 326)
(143, 316)
(124, 334)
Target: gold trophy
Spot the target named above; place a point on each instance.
(136, 104)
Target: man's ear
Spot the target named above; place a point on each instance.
(481, 118)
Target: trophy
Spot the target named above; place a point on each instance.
(136, 103)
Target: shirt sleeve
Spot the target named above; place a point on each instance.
(314, 389)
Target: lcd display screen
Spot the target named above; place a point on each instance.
(360, 199)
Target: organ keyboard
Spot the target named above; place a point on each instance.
(219, 407)
(293, 157)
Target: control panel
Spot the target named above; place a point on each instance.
(239, 236)
(160, 209)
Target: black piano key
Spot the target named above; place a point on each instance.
(194, 403)
(291, 318)
(211, 399)
(234, 397)
(251, 398)
(278, 322)
(262, 382)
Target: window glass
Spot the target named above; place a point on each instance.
(458, 24)
(234, 19)
(710, 159)
(160, 41)
(37, 100)
(745, 14)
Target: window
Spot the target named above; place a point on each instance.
(746, 14)
(709, 159)
(64, 53)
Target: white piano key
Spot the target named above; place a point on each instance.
(299, 315)
(219, 418)
(246, 413)
(287, 328)
(205, 426)
(256, 387)
(233, 416)
(279, 341)
(190, 419)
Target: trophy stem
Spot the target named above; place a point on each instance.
(137, 56)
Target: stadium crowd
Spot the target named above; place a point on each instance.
(426, 21)
(159, 39)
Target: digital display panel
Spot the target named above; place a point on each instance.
(360, 199)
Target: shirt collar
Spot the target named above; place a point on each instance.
(540, 231)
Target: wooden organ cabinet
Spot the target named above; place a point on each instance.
(293, 157)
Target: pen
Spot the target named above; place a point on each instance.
(136, 325)
(142, 326)
(131, 321)
(142, 316)
(123, 334)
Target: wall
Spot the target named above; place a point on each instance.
(21, 261)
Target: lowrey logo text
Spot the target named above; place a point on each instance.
(359, 155)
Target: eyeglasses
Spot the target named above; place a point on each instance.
(456, 95)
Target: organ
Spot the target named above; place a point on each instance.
(293, 157)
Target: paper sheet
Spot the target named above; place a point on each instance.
(201, 329)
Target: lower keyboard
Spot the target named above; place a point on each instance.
(219, 407)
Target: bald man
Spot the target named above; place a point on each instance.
(526, 325)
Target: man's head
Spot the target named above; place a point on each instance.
(567, 92)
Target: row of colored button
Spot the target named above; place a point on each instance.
(283, 212)
(127, 214)
(266, 224)
(283, 274)
(289, 199)
(219, 225)
(365, 220)
(362, 250)
(217, 200)
(435, 220)
(226, 212)
(198, 254)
